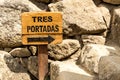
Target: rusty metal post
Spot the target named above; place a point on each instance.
(42, 61)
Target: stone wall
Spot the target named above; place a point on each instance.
(89, 50)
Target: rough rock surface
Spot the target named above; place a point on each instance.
(33, 5)
(10, 24)
(86, 25)
(90, 56)
(116, 47)
(23, 5)
(11, 68)
(68, 70)
(109, 68)
(33, 49)
(79, 16)
(44, 1)
(115, 29)
(56, 0)
(7, 49)
(33, 65)
(107, 6)
(10, 27)
(20, 52)
(93, 39)
(106, 14)
(97, 2)
(64, 49)
(112, 1)
(48, 1)
(76, 55)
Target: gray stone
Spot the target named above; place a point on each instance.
(11, 68)
(48, 1)
(107, 6)
(93, 39)
(15, 4)
(20, 52)
(97, 2)
(68, 70)
(56, 0)
(115, 29)
(10, 24)
(10, 27)
(44, 1)
(112, 1)
(79, 16)
(33, 49)
(76, 55)
(24, 5)
(109, 68)
(1, 2)
(1, 48)
(7, 49)
(24, 62)
(106, 14)
(33, 5)
(64, 49)
(33, 65)
(91, 54)
(115, 46)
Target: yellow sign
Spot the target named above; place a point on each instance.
(40, 28)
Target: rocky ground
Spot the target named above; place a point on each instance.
(89, 50)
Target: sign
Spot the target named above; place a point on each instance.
(40, 28)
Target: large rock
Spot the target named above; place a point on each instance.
(107, 6)
(33, 49)
(91, 54)
(56, 0)
(11, 68)
(33, 65)
(10, 24)
(112, 1)
(79, 16)
(76, 55)
(109, 68)
(24, 5)
(7, 49)
(44, 1)
(33, 5)
(93, 39)
(116, 47)
(106, 14)
(68, 71)
(115, 29)
(63, 50)
(48, 1)
(20, 52)
(97, 2)
(10, 28)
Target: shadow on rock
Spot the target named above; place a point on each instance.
(14, 64)
(39, 5)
